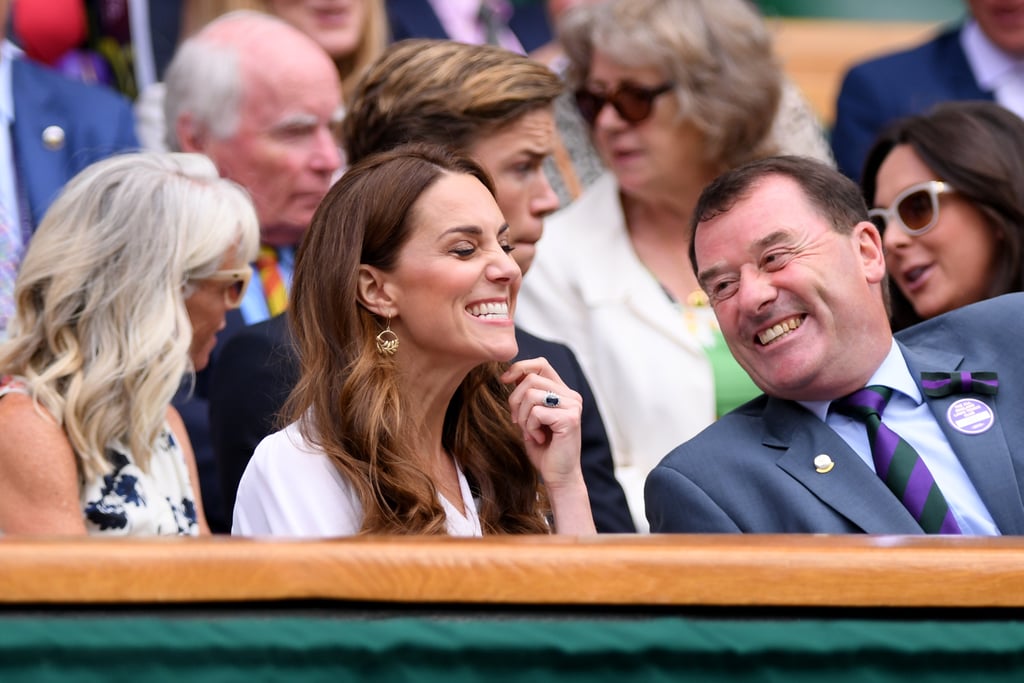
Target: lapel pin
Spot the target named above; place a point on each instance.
(823, 464)
(53, 137)
(970, 416)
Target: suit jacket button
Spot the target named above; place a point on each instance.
(53, 137)
(823, 464)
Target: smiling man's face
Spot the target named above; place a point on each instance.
(799, 303)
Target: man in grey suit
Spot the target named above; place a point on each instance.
(796, 275)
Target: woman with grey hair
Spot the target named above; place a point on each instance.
(674, 92)
(120, 295)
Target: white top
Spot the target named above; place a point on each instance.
(291, 488)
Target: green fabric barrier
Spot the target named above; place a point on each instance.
(196, 650)
(867, 10)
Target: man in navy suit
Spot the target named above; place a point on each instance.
(976, 61)
(54, 127)
(796, 275)
(60, 127)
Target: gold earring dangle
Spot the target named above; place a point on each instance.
(387, 341)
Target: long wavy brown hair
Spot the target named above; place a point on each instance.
(978, 148)
(350, 401)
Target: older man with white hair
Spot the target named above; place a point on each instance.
(261, 99)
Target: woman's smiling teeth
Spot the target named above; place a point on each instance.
(493, 309)
(778, 330)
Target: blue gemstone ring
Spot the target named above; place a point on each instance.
(551, 400)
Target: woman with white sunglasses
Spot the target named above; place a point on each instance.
(947, 193)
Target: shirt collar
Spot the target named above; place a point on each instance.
(893, 373)
(988, 63)
(8, 52)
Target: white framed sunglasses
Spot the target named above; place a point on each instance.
(915, 210)
(237, 280)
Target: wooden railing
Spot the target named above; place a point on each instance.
(682, 571)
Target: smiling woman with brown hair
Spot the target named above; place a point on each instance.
(406, 417)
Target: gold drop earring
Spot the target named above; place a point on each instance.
(387, 341)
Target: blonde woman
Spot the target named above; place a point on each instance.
(120, 294)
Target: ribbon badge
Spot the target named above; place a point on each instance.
(939, 384)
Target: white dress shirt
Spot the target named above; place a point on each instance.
(994, 69)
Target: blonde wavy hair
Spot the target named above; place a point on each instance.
(100, 332)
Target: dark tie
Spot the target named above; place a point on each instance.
(491, 22)
(10, 256)
(897, 463)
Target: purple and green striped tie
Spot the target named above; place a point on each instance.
(897, 463)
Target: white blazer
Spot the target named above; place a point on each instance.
(588, 289)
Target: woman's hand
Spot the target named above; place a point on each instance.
(549, 414)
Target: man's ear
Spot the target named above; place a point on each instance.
(374, 293)
(191, 136)
(872, 254)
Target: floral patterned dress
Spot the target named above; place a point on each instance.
(129, 501)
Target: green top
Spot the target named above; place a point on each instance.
(733, 386)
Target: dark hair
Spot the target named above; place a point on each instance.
(833, 195)
(978, 148)
(442, 92)
(349, 400)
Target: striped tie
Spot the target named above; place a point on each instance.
(10, 257)
(270, 277)
(897, 463)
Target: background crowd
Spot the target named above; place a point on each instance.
(479, 302)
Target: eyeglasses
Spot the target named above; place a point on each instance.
(238, 280)
(632, 103)
(915, 210)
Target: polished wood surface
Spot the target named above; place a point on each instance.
(684, 570)
(816, 53)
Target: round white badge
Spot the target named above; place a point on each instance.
(970, 416)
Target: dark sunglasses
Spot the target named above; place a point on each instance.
(632, 103)
(915, 210)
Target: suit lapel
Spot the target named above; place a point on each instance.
(414, 19)
(958, 71)
(850, 488)
(985, 456)
(41, 170)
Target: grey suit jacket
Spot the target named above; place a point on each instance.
(752, 471)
